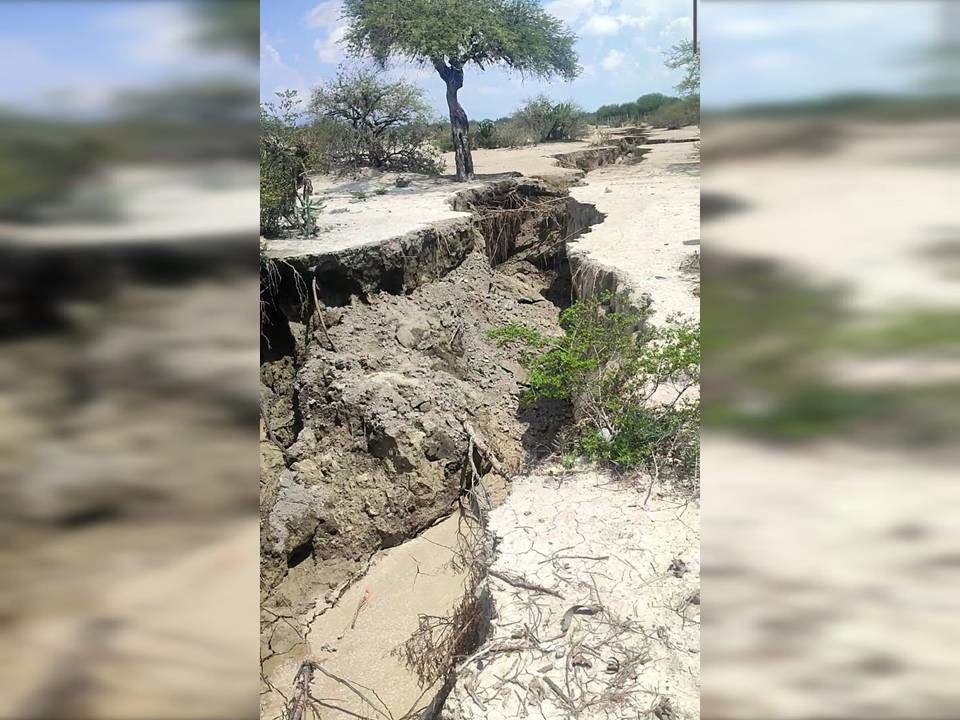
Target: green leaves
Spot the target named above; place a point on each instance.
(627, 381)
(551, 122)
(518, 34)
(684, 55)
(375, 123)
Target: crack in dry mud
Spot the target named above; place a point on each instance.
(369, 446)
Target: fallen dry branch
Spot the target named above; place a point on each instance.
(318, 311)
(480, 444)
(521, 582)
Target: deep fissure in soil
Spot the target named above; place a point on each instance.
(375, 362)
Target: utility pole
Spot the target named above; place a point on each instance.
(696, 45)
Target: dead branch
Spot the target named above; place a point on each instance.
(560, 693)
(521, 582)
(484, 449)
(353, 687)
(318, 310)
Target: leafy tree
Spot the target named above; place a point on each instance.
(677, 114)
(549, 122)
(651, 102)
(605, 112)
(630, 109)
(450, 34)
(286, 200)
(232, 25)
(684, 55)
(384, 125)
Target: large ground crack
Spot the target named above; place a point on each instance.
(379, 378)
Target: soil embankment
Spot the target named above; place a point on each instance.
(385, 405)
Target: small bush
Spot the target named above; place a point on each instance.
(651, 102)
(286, 201)
(511, 134)
(375, 123)
(627, 382)
(440, 137)
(677, 114)
(549, 122)
(485, 133)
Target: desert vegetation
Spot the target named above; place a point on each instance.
(356, 120)
(517, 34)
(628, 382)
(370, 122)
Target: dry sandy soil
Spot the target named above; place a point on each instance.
(359, 637)
(831, 566)
(131, 569)
(651, 597)
(651, 233)
(613, 630)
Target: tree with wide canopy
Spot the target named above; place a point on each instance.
(450, 34)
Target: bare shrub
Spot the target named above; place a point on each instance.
(551, 122)
(370, 122)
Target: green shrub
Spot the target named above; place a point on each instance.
(517, 333)
(678, 114)
(286, 201)
(549, 122)
(651, 102)
(375, 123)
(440, 137)
(627, 382)
(485, 134)
(511, 134)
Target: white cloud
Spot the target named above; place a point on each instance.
(329, 49)
(570, 11)
(602, 25)
(612, 24)
(613, 60)
(681, 26)
(154, 34)
(269, 53)
(325, 15)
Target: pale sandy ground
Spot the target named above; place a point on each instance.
(862, 215)
(831, 579)
(584, 535)
(371, 208)
(830, 583)
(174, 642)
(532, 161)
(157, 204)
(413, 579)
(652, 222)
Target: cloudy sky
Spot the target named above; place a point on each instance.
(71, 58)
(773, 51)
(621, 45)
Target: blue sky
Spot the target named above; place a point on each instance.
(773, 51)
(73, 57)
(621, 45)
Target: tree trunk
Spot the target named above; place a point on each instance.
(459, 125)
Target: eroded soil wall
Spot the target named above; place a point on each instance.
(373, 364)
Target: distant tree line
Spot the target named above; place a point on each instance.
(631, 111)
